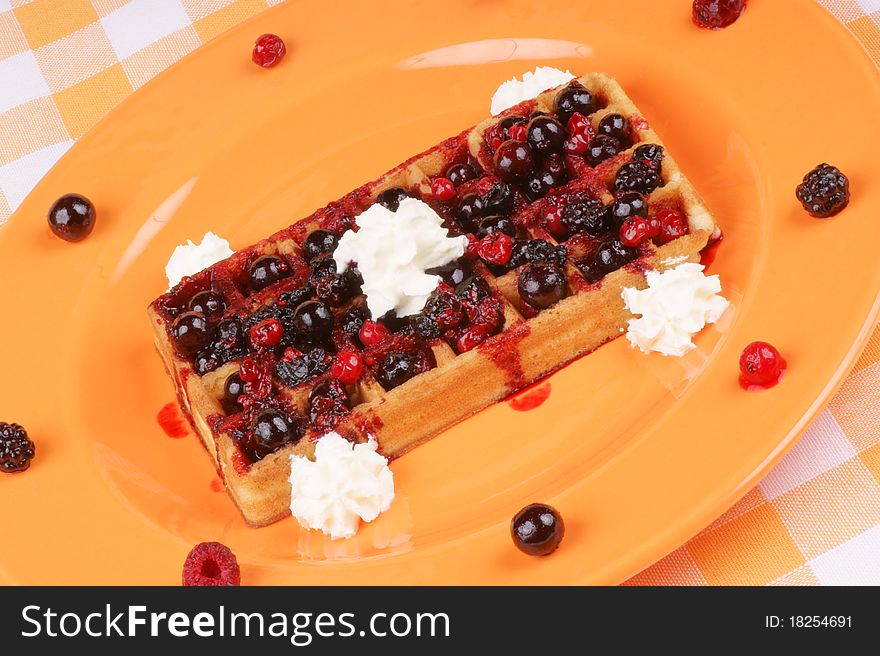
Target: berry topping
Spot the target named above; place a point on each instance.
(328, 404)
(541, 285)
(272, 429)
(267, 270)
(519, 132)
(609, 256)
(442, 189)
(761, 365)
(268, 51)
(211, 564)
(673, 225)
(537, 529)
(497, 200)
(397, 368)
(536, 250)
(348, 367)
(16, 449)
(627, 205)
(824, 191)
(469, 209)
(72, 217)
(616, 127)
(635, 230)
(587, 215)
(331, 287)
(373, 332)
(651, 154)
(602, 147)
(318, 243)
(496, 223)
(351, 321)
(296, 368)
(226, 344)
(553, 222)
(495, 248)
(454, 273)
(232, 389)
(190, 333)
(208, 303)
(390, 198)
(580, 132)
(545, 135)
(458, 174)
(574, 97)
(313, 322)
(266, 334)
(637, 176)
(514, 160)
(548, 177)
(715, 14)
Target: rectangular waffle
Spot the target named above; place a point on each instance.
(527, 346)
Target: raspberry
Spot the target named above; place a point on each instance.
(495, 248)
(16, 449)
(348, 367)
(372, 333)
(268, 50)
(267, 333)
(211, 563)
(442, 189)
(672, 226)
(760, 364)
(824, 191)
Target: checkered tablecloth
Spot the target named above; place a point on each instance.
(815, 519)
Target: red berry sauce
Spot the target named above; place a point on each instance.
(531, 397)
(172, 421)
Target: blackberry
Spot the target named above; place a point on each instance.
(16, 449)
(627, 205)
(529, 251)
(227, 343)
(304, 367)
(601, 148)
(352, 320)
(587, 215)
(637, 176)
(294, 297)
(283, 314)
(472, 289)
(824, 191)
(650, 154)
(328, 404)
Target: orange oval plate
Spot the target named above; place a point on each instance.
(638, 452)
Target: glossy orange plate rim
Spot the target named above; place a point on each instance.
(638, 452)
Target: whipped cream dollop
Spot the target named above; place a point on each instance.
(677, 304)
(514, 91)
(393, 250)
(345, 484)
(188, 259)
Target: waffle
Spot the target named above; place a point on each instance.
(459, 379)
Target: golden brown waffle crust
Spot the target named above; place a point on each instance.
(460, 385)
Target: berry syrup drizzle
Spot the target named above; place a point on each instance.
(172, 421)
(531, 397)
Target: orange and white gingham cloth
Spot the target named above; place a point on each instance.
(815, 519)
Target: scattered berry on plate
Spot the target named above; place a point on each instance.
(824, 191)
(760, 365)
(537, 529)
(72, 217)
(715, 14)
(211, 564)
(268, 50)
(16, 448)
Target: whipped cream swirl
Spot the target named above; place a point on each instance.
(514, 91)
(393, 250)
(677, 304)
(188, 259)
(346, 483)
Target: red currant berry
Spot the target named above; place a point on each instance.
(672, 226)
(635, 230)
(442, 189)
(348, 367)
(519, 132)
(760, 364)
(496, 248)
(553, 222)
(267, 333)
(268, 51)
(372, 333)
(249, 370)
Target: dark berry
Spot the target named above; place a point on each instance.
(206, 361)
(541, 285)
(232, 389)
(616, 127)
(498, 200)
(628, 204)
(537, 529)
(328, 403)
(442, 312)
(331, 287)
(637, 176)
(319, 242)
(211, 564)
(472, 289)
(824, 191)
(268, 51)
(72, 217)
(587, 215)
(574, 97)
(208, 303)
(190, 333)
(609, 256)
(458, 174)
(715, 14)
(390, 198)
(454, 272)
(272, 429)
(294, 297)
(601, 148)
(536, 250)
(16, 448)
(650, 154)
(539, 183)
(545, 135)
(761, 364)
(396, 369)
(514, 160)
(496, 223)
(468, 211)
(352, 320)
(313, 321)
(303, 367)
(508, 123)
(267, 270)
